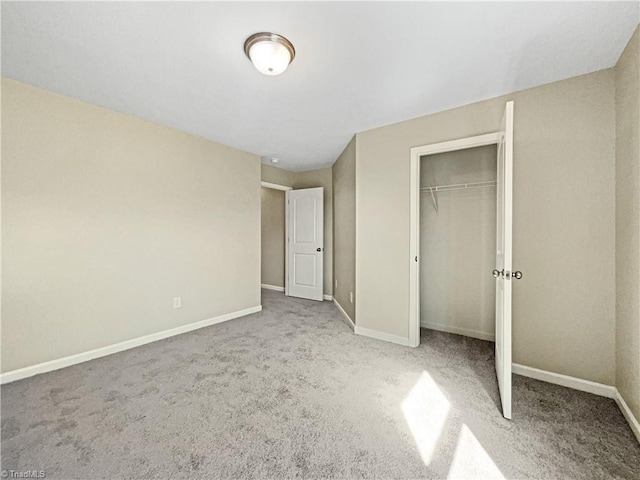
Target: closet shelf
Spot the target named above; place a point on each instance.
(455, 186)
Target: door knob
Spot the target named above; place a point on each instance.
(507, 275)
(318, 249)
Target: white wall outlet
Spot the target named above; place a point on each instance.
(336, 283)
(351, 297)
(177, 302)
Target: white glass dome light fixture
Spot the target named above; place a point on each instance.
(269, 52)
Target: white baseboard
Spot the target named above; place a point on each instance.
(51, 365)
(565, 380)
(458, 331)
(628, 415)
(600, 389)
(387, 337)
(344, 314)
(327, 297)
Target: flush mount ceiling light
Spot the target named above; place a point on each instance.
(270, 53)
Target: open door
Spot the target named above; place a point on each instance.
(503, 271)
(305, 248)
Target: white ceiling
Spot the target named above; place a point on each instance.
(358, 65)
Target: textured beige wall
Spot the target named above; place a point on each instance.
(344, 228)
(627, 73)
(273, 233)
(458, 243)
(275, 175)
(106, 218)
(564, 225)
(322, 178)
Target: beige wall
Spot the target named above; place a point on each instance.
(627, 73)
(564, 308)
(273, 233)
(322, 178)
(106, 218)
(458, 244)
(344, 228)
(276, 175)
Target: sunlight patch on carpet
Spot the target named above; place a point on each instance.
(425, 410)
(471, 460)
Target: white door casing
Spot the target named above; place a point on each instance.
(414, 240)
(305, 247)
(504, 271)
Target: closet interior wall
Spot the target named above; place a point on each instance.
(457, 243)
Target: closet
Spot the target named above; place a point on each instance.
(458, 241)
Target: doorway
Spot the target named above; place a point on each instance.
(416, 154)
(458, 241)
(502, 272)
(273, 236)
(292, 242)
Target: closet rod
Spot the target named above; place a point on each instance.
(454, 186)
(458, 186)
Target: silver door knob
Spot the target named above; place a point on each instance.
(497, 273)
(517, 275)
(318, 249)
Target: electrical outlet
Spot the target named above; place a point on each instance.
(351, 297)
(336, 283)
(177, 302)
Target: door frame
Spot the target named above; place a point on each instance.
(414, 235)
(275, 186)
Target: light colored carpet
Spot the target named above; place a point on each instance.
(292, 392)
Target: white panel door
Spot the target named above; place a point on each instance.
(305, 248)
(503, 270)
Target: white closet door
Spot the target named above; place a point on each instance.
(503, 270)
(305, 249)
